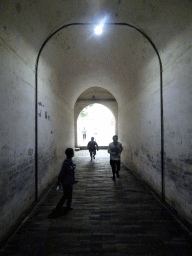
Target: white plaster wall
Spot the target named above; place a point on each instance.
(55, 124)
(19, 46)
(139, 135)
(140, 131)
(17, 174)
(178, 133)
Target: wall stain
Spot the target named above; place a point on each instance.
(169, 160)
(30, 152)
(175, 172)
(18, 7)
(150, 158)
(188, 161)
(136, 153)
(40, 104)
(5, 147)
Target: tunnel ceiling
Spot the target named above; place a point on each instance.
(113, 61)
(96, 93)
(116, 61)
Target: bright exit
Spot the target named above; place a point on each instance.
(95, 121)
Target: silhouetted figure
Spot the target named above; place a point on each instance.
(84, 132)
(115, 148)
(66, 178)
(92, 146)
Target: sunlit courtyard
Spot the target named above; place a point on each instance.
(95, 121)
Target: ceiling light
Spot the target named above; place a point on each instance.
(98, 30)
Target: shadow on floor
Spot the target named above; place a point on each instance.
(57, 214)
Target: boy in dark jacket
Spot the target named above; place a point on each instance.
(66, 178)
(92, 146)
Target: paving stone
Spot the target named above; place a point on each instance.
(113, 218)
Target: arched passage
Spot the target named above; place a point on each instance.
(124, 75)
(127, 76)
(95, 95)
(98, 122)
(25, 27)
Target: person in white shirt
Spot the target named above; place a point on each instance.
(84, 132)
(115, 148)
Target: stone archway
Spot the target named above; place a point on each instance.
(95, 95)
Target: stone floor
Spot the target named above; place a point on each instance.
(109, 218)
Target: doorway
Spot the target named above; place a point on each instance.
(96, 121)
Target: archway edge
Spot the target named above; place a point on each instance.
(97, 95)
(110, 105)
(104, 103)
(95, 90)
(161, 96)
(94, 24)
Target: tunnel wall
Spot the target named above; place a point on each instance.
(178, 132)
(55, 126)
(139, 127)
(17, 132)
(140, 130)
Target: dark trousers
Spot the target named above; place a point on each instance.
(92, 152)
(115, 166)
(67, 195)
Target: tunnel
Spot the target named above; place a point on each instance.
(53, 65)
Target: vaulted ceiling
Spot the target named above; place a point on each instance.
(120, 60)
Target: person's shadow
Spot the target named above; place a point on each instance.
(58, 213)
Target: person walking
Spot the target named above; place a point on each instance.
(66, 178)
(84, 132)
(115, 148)
(92, 146)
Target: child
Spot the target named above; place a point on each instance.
(66, 177)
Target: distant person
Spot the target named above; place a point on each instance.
(115, 148)
(95, 133)
(92, 146)
(66, 178)
(84, 132)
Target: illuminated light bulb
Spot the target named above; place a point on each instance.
(98, 30)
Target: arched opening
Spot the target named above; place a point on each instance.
(96, 121)
(90, 97)
(101, 72)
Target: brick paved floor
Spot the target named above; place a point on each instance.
(109, 218)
